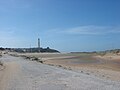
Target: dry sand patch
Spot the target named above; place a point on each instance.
(102, 66)
(7, 74)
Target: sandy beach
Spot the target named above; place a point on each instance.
(23, 74)
(59, 71)
(106, 67)
(26, 74)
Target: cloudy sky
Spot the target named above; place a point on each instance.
(66, 25)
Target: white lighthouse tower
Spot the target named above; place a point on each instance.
(38, 44)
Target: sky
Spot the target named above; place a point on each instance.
(65, 25)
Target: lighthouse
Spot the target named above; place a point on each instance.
(38, 44)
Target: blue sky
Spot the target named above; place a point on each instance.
(66, 25)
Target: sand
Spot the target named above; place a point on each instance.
(107, 67)
(24, 74)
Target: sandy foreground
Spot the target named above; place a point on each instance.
(23, 74)
(103, 68)
(106, 67)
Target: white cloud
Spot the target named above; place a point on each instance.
(84, 30)
(93, 30)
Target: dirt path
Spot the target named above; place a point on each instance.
(7, 74)
(21, 74)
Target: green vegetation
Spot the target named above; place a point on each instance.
(101, 53)
(115, 51)
(32, 50)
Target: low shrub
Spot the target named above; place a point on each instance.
(1, 63)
